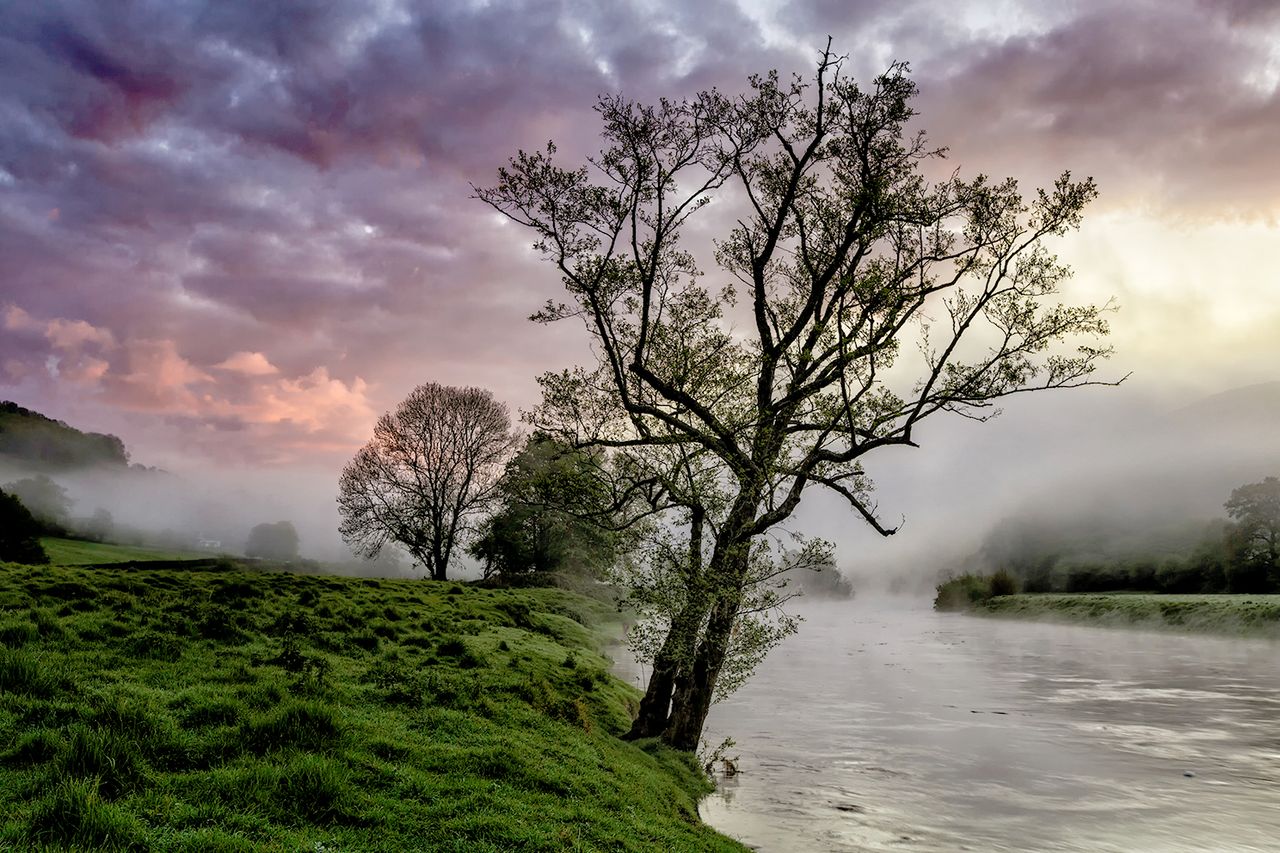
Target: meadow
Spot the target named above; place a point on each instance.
(183, 710)
(78, 552)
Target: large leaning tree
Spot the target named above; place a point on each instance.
(432, 465)
(848, 299)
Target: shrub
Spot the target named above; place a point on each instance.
(19, 533)
(961, 593)
(1003, 583)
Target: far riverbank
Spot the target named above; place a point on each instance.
(1230, 615)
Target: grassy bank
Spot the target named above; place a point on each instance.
(1240, 615)
(225, 711)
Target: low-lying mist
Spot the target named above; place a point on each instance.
(1102, 460)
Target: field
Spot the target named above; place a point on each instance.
(1243, 615)
(230, 711)
(76, 552)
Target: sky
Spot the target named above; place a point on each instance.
(234, 233)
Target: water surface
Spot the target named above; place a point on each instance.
(883, 726)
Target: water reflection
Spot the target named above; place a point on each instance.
(885, 726)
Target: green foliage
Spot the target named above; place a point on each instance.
(1002, 583)
(553, 514)
(962, 593)
(1112, 554)
(465, 731)
(19, 533)
(47, 502)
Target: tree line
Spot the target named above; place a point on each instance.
(1236, 554)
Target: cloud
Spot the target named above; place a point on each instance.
(233, 181)
(248, 363)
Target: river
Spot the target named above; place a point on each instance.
(883, 726)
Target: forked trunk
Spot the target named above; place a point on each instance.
(670, 666)
(693, 700)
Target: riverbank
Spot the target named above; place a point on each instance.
(1233, 615)
(233, 711)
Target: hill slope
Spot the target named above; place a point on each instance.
(211, 711)
(30, 440)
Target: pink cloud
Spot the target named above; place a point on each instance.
(67, 334)
(248, 364)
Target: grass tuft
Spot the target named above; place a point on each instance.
(301, 725)
(74, 816)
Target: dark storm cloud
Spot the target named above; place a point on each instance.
(285, 187)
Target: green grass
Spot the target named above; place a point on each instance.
(1240, 615)
(76, 552)
(230, 711)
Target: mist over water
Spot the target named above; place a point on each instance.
(885, 726)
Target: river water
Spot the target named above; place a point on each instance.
(883, 726)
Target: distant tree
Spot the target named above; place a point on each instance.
(100, 527)
(553, 512)
(277, 541)
(44, 499)
(432, 466)
(1254, 540)
(821, 579)
(19, 533)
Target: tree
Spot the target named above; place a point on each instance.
(19, 533)
(1253, 541)
(797, 361)
(553, 512)
(432, 465)
(45, 499)
(277, 541)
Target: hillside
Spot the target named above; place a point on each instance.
(229, 711)
(1250, 407)
(31, 440)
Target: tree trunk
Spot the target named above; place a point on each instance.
(669, 665)
(693, 700)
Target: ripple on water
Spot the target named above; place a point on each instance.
(927, 732)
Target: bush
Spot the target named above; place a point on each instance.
(1002, 583)
(962, 593)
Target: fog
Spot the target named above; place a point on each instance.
(1107, 452)
(1129, 454)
